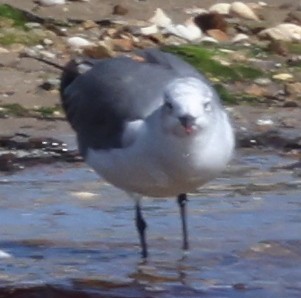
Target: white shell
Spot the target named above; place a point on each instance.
(153, 29)
(263, 122)
(209, 39)
(284, 32)
(189, 31)
(262, 4)
(242, 10)
(51, 2)
(222, 8)
(4, 255)
(195, 11)
(160, 18)
(78, 42)
(240, 37)
(283, 76)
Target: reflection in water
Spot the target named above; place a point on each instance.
(64, 227)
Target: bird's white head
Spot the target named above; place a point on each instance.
(190, 106)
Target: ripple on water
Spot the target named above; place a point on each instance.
(70, 235)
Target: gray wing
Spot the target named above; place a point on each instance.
(101, 101)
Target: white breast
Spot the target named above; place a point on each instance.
(160, 165)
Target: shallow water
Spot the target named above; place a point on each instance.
(68, 232)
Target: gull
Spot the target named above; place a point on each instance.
(149, 124)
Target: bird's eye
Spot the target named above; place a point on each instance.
(168, 105)
(207, 106)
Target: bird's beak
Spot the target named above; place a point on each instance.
(188, 123)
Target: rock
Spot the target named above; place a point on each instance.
(262, 81)
(218, 35)
(47, 42)
(157, 38)
(160, 19)
(290, 104)
(7, 161)
(47, 54)
(98, 52)
(293, 89)
(189, 31)
(255, 90)
(283, 76)
(221, 8)
(210, 21)
(77, 42)
(271, 138)
(3, 51)
(294, 17)
(89, 24)
(286, 32)
(294, 60)
(265, 122)
(242, 10)
(51, 2)
(50, 84)
(278, 47)
(32, 25)
(122, 44)
(238, 56)
(120, 10)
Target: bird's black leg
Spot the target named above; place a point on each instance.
(141, 226)
(182, 201)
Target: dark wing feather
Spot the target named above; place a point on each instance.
(99, 102)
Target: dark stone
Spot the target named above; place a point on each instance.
(34, 151)
(271, 139)
(120, 10)
(211, 20)
(290, 104)
(7, 162)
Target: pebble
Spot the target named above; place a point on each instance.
(283, 76)
(77, 42)
(47, 42)
(120, 10)
(263, 81)
(50, 84)
(47, 54)
(32, 25)
(265, 122)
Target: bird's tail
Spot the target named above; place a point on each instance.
(70, 71)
